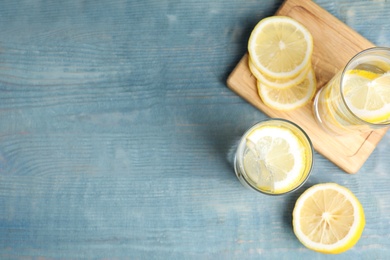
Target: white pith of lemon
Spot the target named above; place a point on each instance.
(276, 160)
(328, 218)
(289, 98)
(278, 83)
(280, 47)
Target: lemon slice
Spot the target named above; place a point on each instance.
(278, 83)
(289, 98)
(277, 159)
(328, 218)
(368, 95)
(280, 47)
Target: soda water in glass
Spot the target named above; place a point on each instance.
(357, 99)
(274, 157)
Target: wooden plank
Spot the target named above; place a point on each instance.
(334, 45)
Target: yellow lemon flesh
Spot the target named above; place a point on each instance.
(328, 218)
(289, 98)
(279, 83)
(368, 95)
(277, 160)
(280, 47)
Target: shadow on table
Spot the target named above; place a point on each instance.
(224, 141)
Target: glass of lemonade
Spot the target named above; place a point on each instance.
(357, 99)
(274, 157)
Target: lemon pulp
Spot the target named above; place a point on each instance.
(289, 98)
(368, 95)
(280, 47)
(328, 218)
(277, 159)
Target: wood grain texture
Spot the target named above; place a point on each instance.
(117, 132)
(334, 45)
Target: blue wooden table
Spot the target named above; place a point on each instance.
(117, 132)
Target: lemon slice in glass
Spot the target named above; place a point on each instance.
(368, 95)
(277, 159)
(328, 218)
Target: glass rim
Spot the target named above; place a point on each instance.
(357, 55)
(305, 135)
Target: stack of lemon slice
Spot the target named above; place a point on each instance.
(280, 51)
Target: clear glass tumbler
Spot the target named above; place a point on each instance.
(274, 157)
(357, 99)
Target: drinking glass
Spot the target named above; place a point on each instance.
(337, 114)
(250, 168)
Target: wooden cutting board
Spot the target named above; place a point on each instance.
(334, 45)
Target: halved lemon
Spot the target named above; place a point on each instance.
(368, 95)
(278, 83)
(289, 98)
(280, 47)
(277, 160)
(328, 218)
